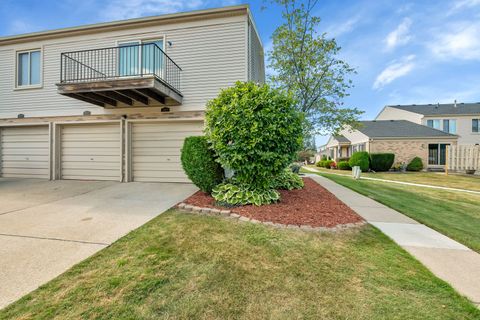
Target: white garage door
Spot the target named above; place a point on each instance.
(91, 152)
(24, 152)
(155, 150)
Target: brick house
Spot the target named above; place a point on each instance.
(405, 139)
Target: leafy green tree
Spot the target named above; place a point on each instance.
(306, 64)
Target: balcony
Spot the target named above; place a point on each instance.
(123, 76)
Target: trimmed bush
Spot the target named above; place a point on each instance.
(329, 164)
(324, 157)
(343, 165)
(415, 165)
(235, 194)
(255, 131)
(198, 162)
(381, 161)
(361, 159)
(321, 163)
(287, 180)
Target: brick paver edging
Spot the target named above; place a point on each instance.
(231, 215)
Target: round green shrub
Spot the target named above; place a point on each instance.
(415, 165)
(255, 131)
(321, 163)
(287, 180)
(329, 164)
(361, 159)
(343, 165)
(381, 161)
(198, 162)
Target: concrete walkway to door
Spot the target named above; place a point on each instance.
(48, 226)
(446, 258)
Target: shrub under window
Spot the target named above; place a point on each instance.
(360, 159)
(381, 161)
(415, 165)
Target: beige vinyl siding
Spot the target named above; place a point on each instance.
(155, 150)
(211, 53)
(24, 152)
(90, 151)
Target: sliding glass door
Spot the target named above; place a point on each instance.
(141, 58)
(437, 154)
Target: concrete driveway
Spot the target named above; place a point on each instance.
(48, 226)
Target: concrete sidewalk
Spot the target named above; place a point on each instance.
(446, 258)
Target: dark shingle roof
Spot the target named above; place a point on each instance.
(399, 129)
(442, 109)
(341, 138)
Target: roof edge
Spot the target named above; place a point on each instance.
(120, 23)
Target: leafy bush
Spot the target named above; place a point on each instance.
(415, 165)
(295, 167)
(343, 159)
(343, 165)
(321, 163)
(361, 159)
(381, 161)
(287, 180)
(329, 163)
(198, 162)
(235, 194)
(324, 157)
(256, 131)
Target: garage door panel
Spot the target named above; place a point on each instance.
(91, 152)
(111, 144)
(25, 144)
(87, 152)
(26, 157)
(24, 152)
(155, 150)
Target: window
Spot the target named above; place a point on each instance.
(437, 153)
(435, 123)
(28, 68)
(450, 126)
(475, 125)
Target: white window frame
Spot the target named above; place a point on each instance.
(449, 125)
(28, 86)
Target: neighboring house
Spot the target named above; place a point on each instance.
(462, 119)
(403, 138)
(114, 101)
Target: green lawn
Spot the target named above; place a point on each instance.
(182, 266)
(469, 182)
(454, 214)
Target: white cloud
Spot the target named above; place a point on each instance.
(399, 36)
(393, 71)
(125, 9)
(463, 4)
(337, 30)
(460, 42)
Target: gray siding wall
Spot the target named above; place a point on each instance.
(256, 61)
(211, 52)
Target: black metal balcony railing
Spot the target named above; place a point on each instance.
(128, 61)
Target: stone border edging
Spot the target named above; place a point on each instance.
(229, 214)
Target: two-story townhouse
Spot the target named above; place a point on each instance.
(114, 101)
(462, 119)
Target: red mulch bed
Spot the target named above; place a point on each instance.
(313, 205)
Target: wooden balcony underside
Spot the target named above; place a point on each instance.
(122, 92)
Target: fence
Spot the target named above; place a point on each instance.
(463, 157)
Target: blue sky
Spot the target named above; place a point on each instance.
(404, 51)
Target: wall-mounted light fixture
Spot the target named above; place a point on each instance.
(20, 116)
(170, 43)
(87, 113)
(165, 109)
